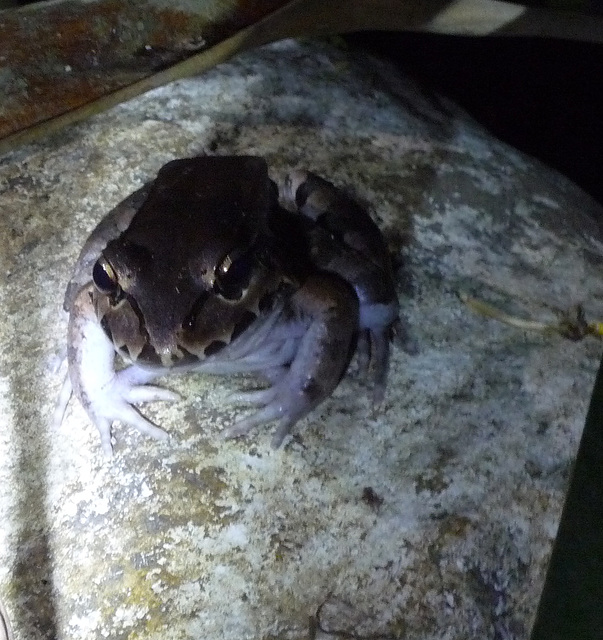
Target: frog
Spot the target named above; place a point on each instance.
(210, 267)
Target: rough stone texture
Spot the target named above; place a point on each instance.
(470, 454)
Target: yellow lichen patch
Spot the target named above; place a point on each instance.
(134, 603)
(195, 492)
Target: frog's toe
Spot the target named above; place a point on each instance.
(242, 427)
(104, 429)
(284, 427)
(114, 401)
(275, 374)
(134, 376)
(260, 397)
(283, 402)
(380, 360)
(150, 393)
(373, 356)
(363, 352)
(132, 417)
(119, 409)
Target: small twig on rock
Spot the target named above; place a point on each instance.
(572, 325)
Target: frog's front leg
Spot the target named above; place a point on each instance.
(105, 394)
(330, 307)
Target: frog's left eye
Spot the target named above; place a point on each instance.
(105, 278)
(233, 273)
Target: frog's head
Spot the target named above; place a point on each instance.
(192, 270)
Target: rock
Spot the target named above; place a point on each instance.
(432, 517)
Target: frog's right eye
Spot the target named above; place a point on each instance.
(105, 278)
(233, 274)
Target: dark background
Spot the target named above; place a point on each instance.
(544, 97)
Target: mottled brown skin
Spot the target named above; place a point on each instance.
(204, 269)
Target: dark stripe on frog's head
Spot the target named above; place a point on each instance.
(189, 321)
(214, 347)
(267, 301)
(243, 324)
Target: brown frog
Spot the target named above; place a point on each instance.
(203, 269)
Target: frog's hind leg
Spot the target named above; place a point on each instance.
(345, 240)
(373, 356)
(331, 308)
(380, 355)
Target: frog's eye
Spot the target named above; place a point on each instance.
(233, 273)
(105, 278)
